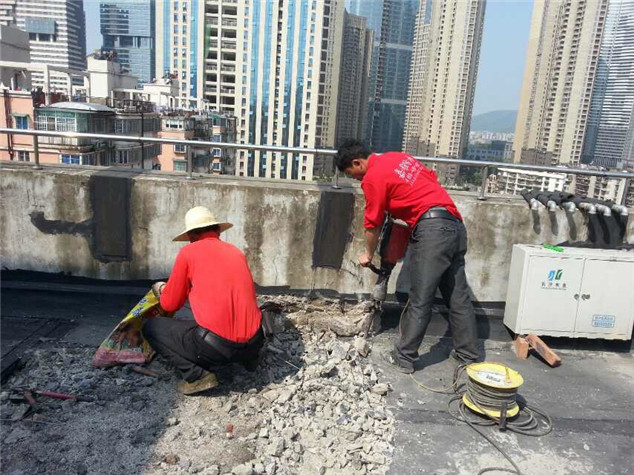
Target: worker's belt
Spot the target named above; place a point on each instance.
(438, 212)
(214, 340)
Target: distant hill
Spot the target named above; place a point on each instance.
(494, 121)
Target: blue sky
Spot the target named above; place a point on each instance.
(506, 28)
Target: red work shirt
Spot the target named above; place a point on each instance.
(399, 184)
(215, 276)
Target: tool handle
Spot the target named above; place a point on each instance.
(144, 371)
(28, 395)
(374, 269)
(56, 395)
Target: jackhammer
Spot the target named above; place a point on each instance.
(394, 239)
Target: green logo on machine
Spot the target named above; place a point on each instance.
(554, 280)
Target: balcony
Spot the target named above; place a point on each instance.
(130, 105)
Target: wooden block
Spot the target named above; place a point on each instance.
(520, 347)
(544, 351)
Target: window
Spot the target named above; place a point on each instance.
(180, 148)
(217, 152)
(123, 156)
(22, 122)
(217, 138)
(180, 165)
(23, 156)
(70, 159)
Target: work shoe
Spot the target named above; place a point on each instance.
(461, 359)
(251, 365)
(203, 384)
(389, 357)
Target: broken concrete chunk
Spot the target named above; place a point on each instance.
(362, 346)
(381, 389)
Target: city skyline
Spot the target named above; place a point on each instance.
(506, 31)
(251, 59)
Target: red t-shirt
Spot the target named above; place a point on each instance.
(399, 184)
(215, 276)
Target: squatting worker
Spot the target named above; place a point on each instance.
(215, 276)
(397, 183)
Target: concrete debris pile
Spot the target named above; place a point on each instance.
(342, 317)
(327, 418)
(314, 406)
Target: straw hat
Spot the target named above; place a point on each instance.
(200, 217)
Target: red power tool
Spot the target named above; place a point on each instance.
(394, 239)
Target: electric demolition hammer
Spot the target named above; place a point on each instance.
(394, 239)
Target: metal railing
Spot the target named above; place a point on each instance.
(485, 165)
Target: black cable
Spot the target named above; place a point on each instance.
(524, 422)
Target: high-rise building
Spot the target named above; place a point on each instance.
(273, 64)
(395, 55)
(372, 10)
(356, 56)
(610, 119)
(561, 65)
(57, 33)
(443, 79)
(179, 41)
(127, 27)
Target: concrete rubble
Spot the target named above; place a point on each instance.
(315, 405)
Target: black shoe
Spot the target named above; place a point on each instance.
(461, 359)
(389, 358)
(251, 365)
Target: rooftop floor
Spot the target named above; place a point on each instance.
(589, 398)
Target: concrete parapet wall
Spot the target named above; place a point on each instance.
(118, 224)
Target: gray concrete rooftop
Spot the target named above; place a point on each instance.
(590, 397)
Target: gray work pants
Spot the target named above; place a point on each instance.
(438, 247)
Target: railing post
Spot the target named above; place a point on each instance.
(335, 179)
(36, 153)
(628, 182)
(483, 185)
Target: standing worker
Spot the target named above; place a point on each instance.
(215, 276)
(397, 183)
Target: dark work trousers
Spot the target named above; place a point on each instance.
(181, 342)
(438, 248)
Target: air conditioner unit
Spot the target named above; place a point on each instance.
(586, 293)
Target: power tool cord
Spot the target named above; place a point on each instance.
(483, 397)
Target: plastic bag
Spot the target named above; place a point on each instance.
(125, 344)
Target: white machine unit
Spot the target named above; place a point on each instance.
(585, 293)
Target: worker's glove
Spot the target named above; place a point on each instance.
(157, 289)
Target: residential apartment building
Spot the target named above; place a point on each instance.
(393, 73)
(189, 125)
(611, 117)
(442, 81)
(57, 34)
(561, 68)
(356, 58)
(372, 11)
(602, 188)
(128, 28)
(274, 65)
(513, 182)
(495, 151)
